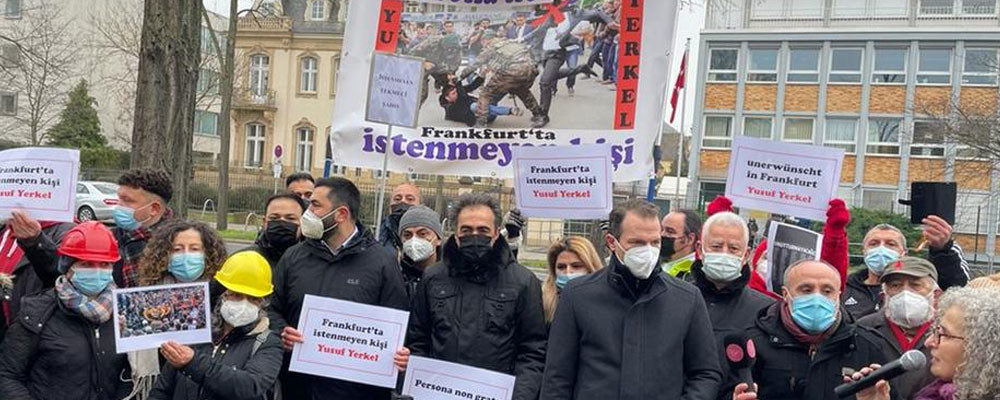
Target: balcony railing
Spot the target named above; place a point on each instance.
(264, 24)
(249, 99)
(734, 16)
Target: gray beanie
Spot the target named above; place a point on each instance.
(421, 216)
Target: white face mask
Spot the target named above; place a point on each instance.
(641, 260)
(239, 313)
(909, 310)
(722, 267)
(312, 225)
(418, 249)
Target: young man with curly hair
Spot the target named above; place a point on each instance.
(143, 195)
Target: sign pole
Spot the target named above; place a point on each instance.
(680, 139)
(380, 204)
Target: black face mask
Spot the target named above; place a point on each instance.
(475, 248)
(281, 235)
(667, 249)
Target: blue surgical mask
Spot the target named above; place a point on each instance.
(125, 217)
(563, 279)
(91, 281)
(878, 258)
(814, 313)
(187, 267)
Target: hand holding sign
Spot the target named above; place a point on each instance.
(39, 180)
(23, 226)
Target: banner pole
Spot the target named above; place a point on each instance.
(680, 139)
(380, 204)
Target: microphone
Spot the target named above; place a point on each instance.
(741, 355)
(911, 360)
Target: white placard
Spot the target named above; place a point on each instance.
(394, 89)
(148, 316)
(571, 182)
(41, 181)
(429, 379)
(783, 178)
(349, 341)
(787, 244)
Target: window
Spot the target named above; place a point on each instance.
(317, 10)
(758, 127)
(82, 189)
(722, 65)
(798, 130)
(304, 149)
(255, 145)
(13, 9)
(763, 65)
(883, 135)
(980, 67)
(870, 8)
(841, 133)
(206, 123)
(336, 73)
(936, 7)
(788, 9)
(307, 81)
(935, 66)
(803, 65)
(890, 66)
(881, 200)
(8, 104)
(259, 70)
(208, 82)
(979, 7)
(928, 140)
(845, 65)
(709, 191)
(106, 188)
(718, 132)
(10, 55)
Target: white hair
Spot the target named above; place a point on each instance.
(725, 219)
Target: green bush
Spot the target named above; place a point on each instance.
(198, 192)
(863, 220)
(249, 199)
(104, 158)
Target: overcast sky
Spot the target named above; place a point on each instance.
(222, 6)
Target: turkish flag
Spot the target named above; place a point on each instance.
(675, 96)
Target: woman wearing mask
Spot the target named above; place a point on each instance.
(244, 359)
(963, 344)
(569, 258)
(181, 252)
(282, 214)
(64, 344)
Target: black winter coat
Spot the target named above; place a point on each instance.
(733, 310)
(607, 344)
(461, 109)
(54, 354)
(37, 269)
(227, 370)
(497, 324)
(362, 272)
(908, 384)
(786, 371)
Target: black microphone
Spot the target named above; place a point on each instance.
(911, 360)
(741, 355)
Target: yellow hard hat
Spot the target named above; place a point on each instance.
(246, 272)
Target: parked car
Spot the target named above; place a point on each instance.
(94, 200)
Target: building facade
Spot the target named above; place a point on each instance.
(874, 77)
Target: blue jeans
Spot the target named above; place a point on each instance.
(495, 111)
(610, 58)
(572, 58)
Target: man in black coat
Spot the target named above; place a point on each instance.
(722, 276)
(630, 331)
(340, 259)
(282, 213)
(806, 343)
(479, 307)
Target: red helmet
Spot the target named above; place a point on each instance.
(90, 241)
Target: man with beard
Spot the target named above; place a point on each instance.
(282, 213)
(479, 307)
(403, 197)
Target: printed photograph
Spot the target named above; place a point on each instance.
(148, 316)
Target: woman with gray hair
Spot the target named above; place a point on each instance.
(965, 350)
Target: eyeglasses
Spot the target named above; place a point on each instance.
(937, 333)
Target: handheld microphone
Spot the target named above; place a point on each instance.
(911, 360)
(741, 355)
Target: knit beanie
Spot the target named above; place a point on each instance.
(421, 216)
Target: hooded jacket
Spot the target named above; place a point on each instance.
(37, 269)
(491, 320)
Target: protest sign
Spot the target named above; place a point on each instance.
(563, 181)
(429, 379)
(350, 341)
(783, 178)
(148, 316)
(394, 89)
(787, 244)
(39, 180)
(447, 139)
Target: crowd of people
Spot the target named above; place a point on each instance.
(650, 321)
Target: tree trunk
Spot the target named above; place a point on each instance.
(169, 60)
(226, 90)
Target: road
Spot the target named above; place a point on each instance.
(232, 247)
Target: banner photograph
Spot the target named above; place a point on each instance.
(502, 74)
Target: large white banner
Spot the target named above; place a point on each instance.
(626, 114)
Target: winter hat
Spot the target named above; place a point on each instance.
(421, 216)
(720, 204)
(986, 282)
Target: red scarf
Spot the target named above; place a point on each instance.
(906, 344)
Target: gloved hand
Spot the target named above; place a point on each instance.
(513, 222)
(720, 204)
(837, 216)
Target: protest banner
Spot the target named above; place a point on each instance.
(39, 180)
(783, 178)
(787, 244)
(429, 379)
(563, 181)
(447, 139)
(394, 89)
(148, 316)
(349, 341)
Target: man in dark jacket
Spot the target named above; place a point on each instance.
(282, 213)
(479, 307)
(403, 197)
(339, 259)
(722, 276)
(420, 231)
(143, 195)
(911, 291)
(630, 331)
(460, 106)
(805, 343)
(883, 245)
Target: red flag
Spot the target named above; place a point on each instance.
(675, 96)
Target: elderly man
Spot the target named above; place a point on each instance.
(403, 197)
(722, 276)
(911, 292)
(883, 245)
(679, 233)
(804, 342)
(420, 231)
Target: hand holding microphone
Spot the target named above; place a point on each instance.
(877, 376)
(741, 355)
